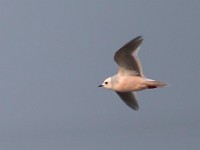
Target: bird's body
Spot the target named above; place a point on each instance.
(130, 77)
(129, 84)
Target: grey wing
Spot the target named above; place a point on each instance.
(127, 59)
(129, 99)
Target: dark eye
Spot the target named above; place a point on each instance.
(106, 82)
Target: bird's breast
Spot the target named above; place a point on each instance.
(129, 84)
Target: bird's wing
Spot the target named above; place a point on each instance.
(129, 99)
(127, 59)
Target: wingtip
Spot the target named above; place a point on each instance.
(136, 108)
(140, 37)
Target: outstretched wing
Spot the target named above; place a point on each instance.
(129, 99)
(127, 59)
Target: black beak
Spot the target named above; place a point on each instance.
(100, 86)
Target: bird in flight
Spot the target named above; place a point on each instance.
(130, 77)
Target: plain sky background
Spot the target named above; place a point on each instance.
(54, 54)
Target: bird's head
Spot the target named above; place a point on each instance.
(106, 83)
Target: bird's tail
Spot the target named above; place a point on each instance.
(151, 84)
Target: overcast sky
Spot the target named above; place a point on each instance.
(54, 54)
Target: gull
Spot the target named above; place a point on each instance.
(130, 77)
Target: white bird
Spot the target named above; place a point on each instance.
(130, 77)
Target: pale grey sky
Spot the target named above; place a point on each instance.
(54, 54)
